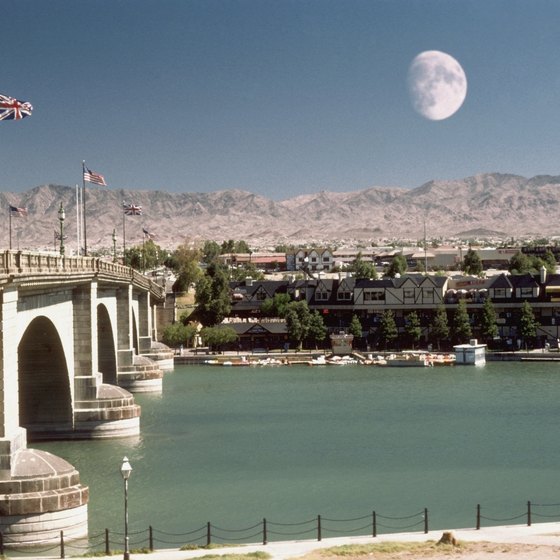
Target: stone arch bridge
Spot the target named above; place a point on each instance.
(77, 334)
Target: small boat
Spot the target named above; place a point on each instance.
(409, 359)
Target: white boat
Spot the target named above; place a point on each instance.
(409, 359)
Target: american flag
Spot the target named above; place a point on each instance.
(148, 233)
(17, 212)
(12, 109)
(93, 177)
(132, 209)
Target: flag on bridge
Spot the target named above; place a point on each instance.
(148, 233)
(17, 212)
(12, 109)
(132, 209)
(93, 177)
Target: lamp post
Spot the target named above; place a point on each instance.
(114, 246)
(126, 469)
(61, 218)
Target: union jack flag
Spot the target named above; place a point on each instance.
(132, 209)
(12, 109)
(17, 212)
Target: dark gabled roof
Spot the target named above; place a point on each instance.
(369, 283)
(523, 281)
(553, 280)
(273, 327)
(501, 281)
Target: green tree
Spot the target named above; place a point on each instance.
(212, 296)
(440, 326)
(216, 337)
(527, 324)
(178, 334)
(246, 270)
(398, 266)
(387, 330)
(185, 261)
(362, 269)
(462, 331)
(355, 327)
(317, 332)
(275, 306)
(520, 263)
(413, 328)
(472, 263)
(210, 251)
(297, 321)
(488, 321)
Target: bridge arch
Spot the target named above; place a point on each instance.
(45, 396)
(106, 352)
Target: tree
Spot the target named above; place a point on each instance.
(178, 334)
(185, 262)
(216, 337)
(440, 326)
(387, 330)
(212, 296)
(297, 321)
(210, 251)
(246, 270)
(398, 266)
(362, 269)
(413, 328)
(488, 321)
(355, 327)
(317, 330)
(472, 263)
(520, 263)
(276, 306)
(527, 324)
(462, 331)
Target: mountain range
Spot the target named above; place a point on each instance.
(485, 205)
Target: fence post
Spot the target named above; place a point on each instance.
(1, 543)
(62, 544)
(265, 533)
(208, 535)
(151, 539)
(374, 525)
(107, 550)
(319, 535)
(528, 514)
(477, 517)
(425, 520)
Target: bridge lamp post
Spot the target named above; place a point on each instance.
(114, 246)
(61, 218)
(126, 469)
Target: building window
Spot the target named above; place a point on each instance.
(321, 296)
(428, 295)
(499, 292)
(344, 295)
(527, 292)
(374, 295)
(409, 294)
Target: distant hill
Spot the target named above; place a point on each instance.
(484, 205)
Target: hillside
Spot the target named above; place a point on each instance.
(483, 205)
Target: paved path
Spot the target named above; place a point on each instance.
(538, 533)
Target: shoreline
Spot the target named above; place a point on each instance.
(537, 534)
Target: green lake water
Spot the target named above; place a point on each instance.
(235, 445)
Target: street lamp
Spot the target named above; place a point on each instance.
(114, 246)
(126, 469)
(61, 218)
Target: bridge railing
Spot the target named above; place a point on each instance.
(16, 263)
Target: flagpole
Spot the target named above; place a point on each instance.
(78, 218)
(10, 222)
(84, 205)
(123, 236)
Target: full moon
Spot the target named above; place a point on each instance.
(437, 84)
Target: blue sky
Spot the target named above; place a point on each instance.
(276, 97)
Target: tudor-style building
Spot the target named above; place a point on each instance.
(338, 299)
